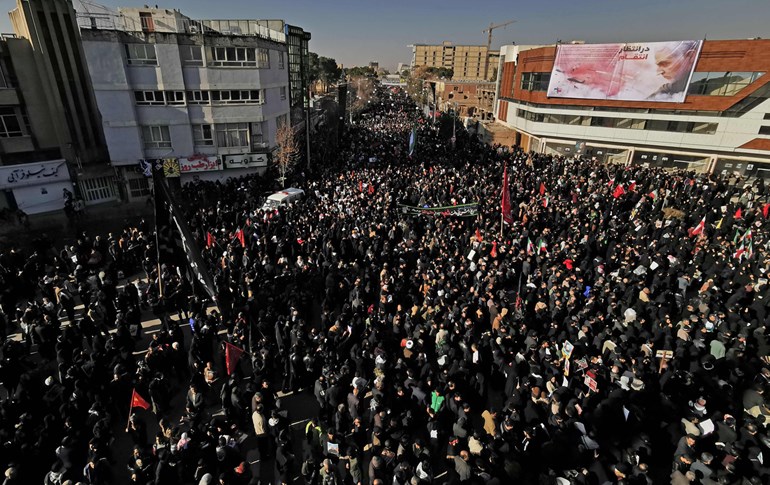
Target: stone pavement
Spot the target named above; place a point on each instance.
(97, 220)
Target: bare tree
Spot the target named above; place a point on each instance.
(288, 150)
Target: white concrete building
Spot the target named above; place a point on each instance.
(205, 97)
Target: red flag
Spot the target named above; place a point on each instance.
(765, 209)
(493, 253)
(699, 228)
(370, 189)
(138, 401)
(360, 185)
(505, 205)
(232, 354)
(568, 264)
(738, 214)
(610, 183)
(542, 188)
(478, 235)
(239, 235)
(618, 191)
(632, 187)
(210, 240)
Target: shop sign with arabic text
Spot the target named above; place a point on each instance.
(14, 176)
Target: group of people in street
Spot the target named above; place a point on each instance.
(607, 324)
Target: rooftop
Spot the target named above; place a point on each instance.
(152, 20)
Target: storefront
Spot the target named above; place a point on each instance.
(37, 187)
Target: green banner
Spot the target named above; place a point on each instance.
(462, 210)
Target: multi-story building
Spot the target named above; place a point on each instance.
(206, 97)
(50, 123)
(297, 42)
(718, 118)
(28, 138)
(472, 100)
(466, 61)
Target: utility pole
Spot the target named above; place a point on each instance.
(488, 31)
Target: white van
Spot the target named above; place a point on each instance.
(282, 198)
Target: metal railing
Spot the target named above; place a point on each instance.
(247, 28)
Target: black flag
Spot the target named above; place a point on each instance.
(176, 245)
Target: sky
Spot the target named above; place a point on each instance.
(356, 32)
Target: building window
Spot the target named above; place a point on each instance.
(139, 187)
(230, 135)
(5, 81)
(236, 97)
(203, 135)
(175, 98)
(9, 123)
(147, 24)
(281, 64)
(156, 137)
(700, 128)
(257, 137)
(157, 98)
(197, 97)
(764, 130)
(720, 83)
(535, 81)
(141, 54)
(192, 55)
(233, 57)
(264, 58)
(283, 92)
(149, 98)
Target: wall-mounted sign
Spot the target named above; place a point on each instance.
(246, 160)
(170, 166)
(200, 163)
(13, 176)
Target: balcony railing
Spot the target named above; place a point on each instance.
(247, 28)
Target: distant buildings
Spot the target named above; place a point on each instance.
(467, 61)
(89, 99)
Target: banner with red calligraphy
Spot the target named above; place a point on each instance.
(200, 163)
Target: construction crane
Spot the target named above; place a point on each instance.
(492, 26)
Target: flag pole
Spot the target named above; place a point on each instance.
(130, 407)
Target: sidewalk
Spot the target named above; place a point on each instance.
(97, 220)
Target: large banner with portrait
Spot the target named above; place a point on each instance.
(647, 71)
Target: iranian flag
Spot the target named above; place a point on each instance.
(697, 230)
(740, 251)
(737, 238)
(546, 201)
(747, 235)
(530, 247)
(542, 246)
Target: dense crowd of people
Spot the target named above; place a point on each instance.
(612, 331)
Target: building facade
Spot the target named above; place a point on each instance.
(297, 43)
(51, 124)
(33, 173)
(472, 100)
(722, 125)
(204, 98)
(466, 61)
